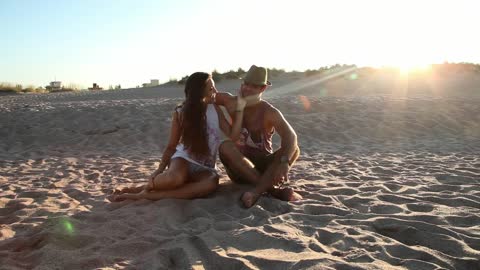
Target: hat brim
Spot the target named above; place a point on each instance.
(268, 82)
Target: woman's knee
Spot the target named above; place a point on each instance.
(212, 182)
(172, 178)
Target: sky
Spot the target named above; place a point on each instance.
(129, 42)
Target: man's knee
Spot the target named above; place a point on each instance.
(295, 156)
(226, 151)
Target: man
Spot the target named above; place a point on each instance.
(251, 159)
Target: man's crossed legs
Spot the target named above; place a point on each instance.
(256, 171)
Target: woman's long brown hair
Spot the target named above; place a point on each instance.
(194, 124)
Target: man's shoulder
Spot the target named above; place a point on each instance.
(268, 108)
(273, 115)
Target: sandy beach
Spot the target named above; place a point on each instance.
(389, 172)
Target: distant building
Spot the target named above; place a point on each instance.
(153, 82)
(54, 86)
(95, 87)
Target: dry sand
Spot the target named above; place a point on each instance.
(390, 174)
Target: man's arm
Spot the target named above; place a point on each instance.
(288, 136)
(289, 146)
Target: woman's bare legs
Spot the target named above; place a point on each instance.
(200, 184)
(135, 189)
(174, 176)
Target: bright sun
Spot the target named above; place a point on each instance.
(411, 61)
(410, 66)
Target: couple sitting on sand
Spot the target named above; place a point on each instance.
(199, 130)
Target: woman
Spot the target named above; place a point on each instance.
(197, 130)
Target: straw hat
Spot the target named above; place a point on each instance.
(257, 76)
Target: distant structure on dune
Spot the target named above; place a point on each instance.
(54, 86)
(153, 82)
(95, 87)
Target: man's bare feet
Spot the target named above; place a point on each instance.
(249, 198)
(286, 194)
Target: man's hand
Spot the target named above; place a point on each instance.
(280, 176)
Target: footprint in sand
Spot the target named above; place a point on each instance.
(386, 209)
(77, 194)
(419, 207)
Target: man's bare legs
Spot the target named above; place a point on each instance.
(244, 169)
(266, 185)
(199, 184)
(238, 163)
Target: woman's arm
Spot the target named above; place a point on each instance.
(175, 134)
(225, 125)
(238, 118)
(233, 131)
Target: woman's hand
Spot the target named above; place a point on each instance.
(151, 178)
(241, 102)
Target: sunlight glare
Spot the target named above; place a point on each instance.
(409, 67)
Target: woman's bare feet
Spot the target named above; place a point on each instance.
(128, 190)
(113, 198)
(249, 198)
(123, 197)
(286, 194)
(118, 191)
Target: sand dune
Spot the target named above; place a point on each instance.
(389, 181)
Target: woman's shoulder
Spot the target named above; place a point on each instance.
(178, 113)
(179, 107)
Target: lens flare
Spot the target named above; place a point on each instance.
(323, 92)
(299, 85)
(68, 226)
(305, 102)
